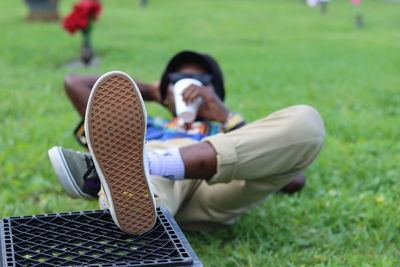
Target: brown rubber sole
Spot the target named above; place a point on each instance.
(115, 127)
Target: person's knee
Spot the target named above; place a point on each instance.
(304, 133)
(307, 124)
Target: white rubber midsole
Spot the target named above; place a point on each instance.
(61, 168)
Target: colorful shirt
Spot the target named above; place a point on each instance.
(159, 129)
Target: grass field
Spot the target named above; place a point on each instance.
(274, 54)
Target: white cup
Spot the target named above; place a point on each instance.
(185, 112)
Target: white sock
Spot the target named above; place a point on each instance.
(166, 163)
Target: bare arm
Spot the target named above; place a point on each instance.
(212, 107)
(150, 91)
(78, 89)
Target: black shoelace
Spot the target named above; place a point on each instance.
(91, 178)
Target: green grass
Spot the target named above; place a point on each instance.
(274, 54)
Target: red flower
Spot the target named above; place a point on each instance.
(84, 12)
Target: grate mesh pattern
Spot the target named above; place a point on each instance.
(91, 238)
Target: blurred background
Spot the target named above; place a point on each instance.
(273, 54)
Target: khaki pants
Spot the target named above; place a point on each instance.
(252, 162)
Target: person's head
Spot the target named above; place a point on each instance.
(189, 64)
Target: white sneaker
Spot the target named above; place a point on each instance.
(115, 127)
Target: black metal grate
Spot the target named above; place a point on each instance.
(90, 238)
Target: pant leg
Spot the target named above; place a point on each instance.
(168, 193)
(253, 162)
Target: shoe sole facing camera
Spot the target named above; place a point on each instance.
(115, 127)
(64, 175)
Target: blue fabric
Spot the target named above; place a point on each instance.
(157, 130)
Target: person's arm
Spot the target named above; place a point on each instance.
(150, 91)
(78, 89)
(212, 107)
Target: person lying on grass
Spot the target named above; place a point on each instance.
(206, 173)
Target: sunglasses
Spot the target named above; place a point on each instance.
(204, 78)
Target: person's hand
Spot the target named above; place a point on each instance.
(211, 108)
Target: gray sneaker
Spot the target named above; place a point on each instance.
(76, 172)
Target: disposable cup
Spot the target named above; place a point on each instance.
(186, 112)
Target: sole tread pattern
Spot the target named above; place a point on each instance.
(116, 127)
